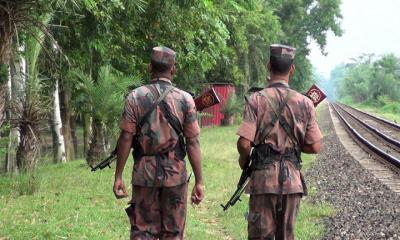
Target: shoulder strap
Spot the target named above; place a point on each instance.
(277, 109)
(171, 118)
(285, 125)
(289, 131)
(177, 126)
(155, 104)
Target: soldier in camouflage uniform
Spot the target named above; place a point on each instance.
(158, 205)
(278, 124)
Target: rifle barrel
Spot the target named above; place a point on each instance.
(106, 162)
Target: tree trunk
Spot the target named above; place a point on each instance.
(13, 140)
(66, 113)
(28, 151)
(4, 79)
(87, 132)
(58, 126)
(17, 87)
(74, 137)
(96, 148)
(228, 121)
(3, 100)
(33, 110)
(6, 35)
(54, 146)
(246, 71)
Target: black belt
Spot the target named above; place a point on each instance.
(263, 156)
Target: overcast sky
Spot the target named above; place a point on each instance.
(370, 26)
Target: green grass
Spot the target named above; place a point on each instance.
(383, 107)
(381, 112)
(73, 203)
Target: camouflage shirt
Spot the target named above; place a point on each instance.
(157, 135)
(299, 113)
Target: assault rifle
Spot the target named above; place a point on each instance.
(106, 162)
(241, 186)
(317, 96)
(205, 100)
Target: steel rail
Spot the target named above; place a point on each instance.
(376, 131)
(395, 125)
(391, 159)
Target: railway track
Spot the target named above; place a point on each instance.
(379, 119)
(377, 136)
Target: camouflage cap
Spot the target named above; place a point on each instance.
(282, 50)
(163, 55)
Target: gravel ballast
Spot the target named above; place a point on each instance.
(365, 208)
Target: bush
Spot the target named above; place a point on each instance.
(347, 100)
(26, 184)
(384, 100)
(201, 115)
(393, 107)
(231, 107)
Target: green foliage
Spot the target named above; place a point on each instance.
(196, 34)
(302, 21)
(26, 184)
(17, 185)
(375, 82)
(330, 85)
(103, 99)
(392, 108)
(232, 106)
(252, 28)
(214, 40)
(381, 111)
(347, 100)
(388, 104)
(224, 40)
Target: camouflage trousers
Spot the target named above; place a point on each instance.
(158, 213)
(266, 222)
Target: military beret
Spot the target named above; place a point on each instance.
(163, 55)
(282, 50)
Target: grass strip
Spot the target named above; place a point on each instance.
(73, 203)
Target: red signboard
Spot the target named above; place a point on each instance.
(213, 115)
(316, 94)
(206, 100)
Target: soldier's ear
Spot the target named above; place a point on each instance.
(173, 70)
(292, 69)
(269, 66)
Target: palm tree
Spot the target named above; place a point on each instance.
(103, 102)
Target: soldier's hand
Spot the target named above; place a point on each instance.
(197, 193)
(119, 189)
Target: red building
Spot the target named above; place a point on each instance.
(215, 117)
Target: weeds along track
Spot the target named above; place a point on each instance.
(377, 136)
